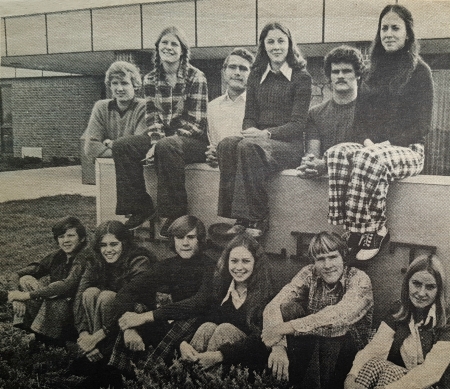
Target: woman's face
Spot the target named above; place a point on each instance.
(169, 48)
(241, 264)
(276, 44)
(422, 289)
(393, 32)
(110, 248)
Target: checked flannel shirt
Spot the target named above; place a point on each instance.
(347, 307)
(183, 106)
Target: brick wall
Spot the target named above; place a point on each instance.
(52, 113)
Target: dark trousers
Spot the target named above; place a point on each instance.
(171, 155)
(245, 165)
(317, 362)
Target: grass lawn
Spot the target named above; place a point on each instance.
(25, 236)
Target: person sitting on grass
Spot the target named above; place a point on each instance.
(117, 262)
(123, 115)
(316, 324)
(43, 300)
(181, 277)
(411, 348)
(229, 303)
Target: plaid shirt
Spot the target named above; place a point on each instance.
(329, 312)
(183, 106)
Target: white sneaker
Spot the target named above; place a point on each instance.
(371, 243)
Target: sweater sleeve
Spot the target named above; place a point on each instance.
(95, 132)
(251, 104)
(68, 286)
(294, 128)
(140, 127)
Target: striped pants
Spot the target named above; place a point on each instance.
(359, 178)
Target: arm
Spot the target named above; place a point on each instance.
(140, 126)
(251, 104)
(195, 116)
(96, 133)
(293, 129)
(154, 126)
(429, 372)
(68, 286)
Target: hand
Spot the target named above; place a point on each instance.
(150, 156)
(272, 335)
(311, 167)
(108, 143)
(19, 308)
(211, 156)
(87, 342)
(253, 132)
(131, 320)
(351, 384)
(188, 353)
(209, 359)
(278, 362)
(17, 295)
(133, 340)
(183, 132)
(94, 356)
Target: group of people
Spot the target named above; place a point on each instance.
(314, 332)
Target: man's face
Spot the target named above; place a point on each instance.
(122, 89)
(343, 77)
(330, 266)
(236, 73)
(69, 241)
(187, 246)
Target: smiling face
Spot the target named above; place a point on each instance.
(122, 88)
(240, 264)
(236, 73)
(422, 289)
(110, 248)
(169, 49)
(393, 32)
(276, 44)
(343, 77)
(187, 246)
(69, 241)
(330, 266)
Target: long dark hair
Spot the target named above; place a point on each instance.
(259, 286)
(115, 228)
(294, 58)
(405, 59)
(432, 265)
(185, 51)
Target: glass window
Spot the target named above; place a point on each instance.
(25, 35)
(156, 17)
(69, 32)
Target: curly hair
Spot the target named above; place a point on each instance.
(294, 58)
(432, 265)
(344, 54)
(185, 50)
(259, 287)
(406, 58)
(121, 69)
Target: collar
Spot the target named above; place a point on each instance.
(112, 105)
(242, 96)
(285, 70)
(235, 298)
(429, 320)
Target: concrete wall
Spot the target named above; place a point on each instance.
(52, 113)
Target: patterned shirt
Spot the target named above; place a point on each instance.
(330, 312)
(183, 106)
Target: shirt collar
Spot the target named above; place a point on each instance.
(242, 96)
(285, 70)
(430, 319)
(235, 298)
(112, 105)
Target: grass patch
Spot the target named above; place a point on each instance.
(25, 236)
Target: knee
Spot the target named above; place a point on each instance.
(166, 144)
(90, 294)
(106, 297)
(291, 310)
(120, 145)
(28, 283)
(223, 330)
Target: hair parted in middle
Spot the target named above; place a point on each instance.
(325, 242)
(240, 52)
(116, 228)
(185, 50)
(185, 224)
(294, 57)
(121, 69)
(344, 54)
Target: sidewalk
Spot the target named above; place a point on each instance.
(35, 183)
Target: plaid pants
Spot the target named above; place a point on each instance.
(359, 178)
(377, 373)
